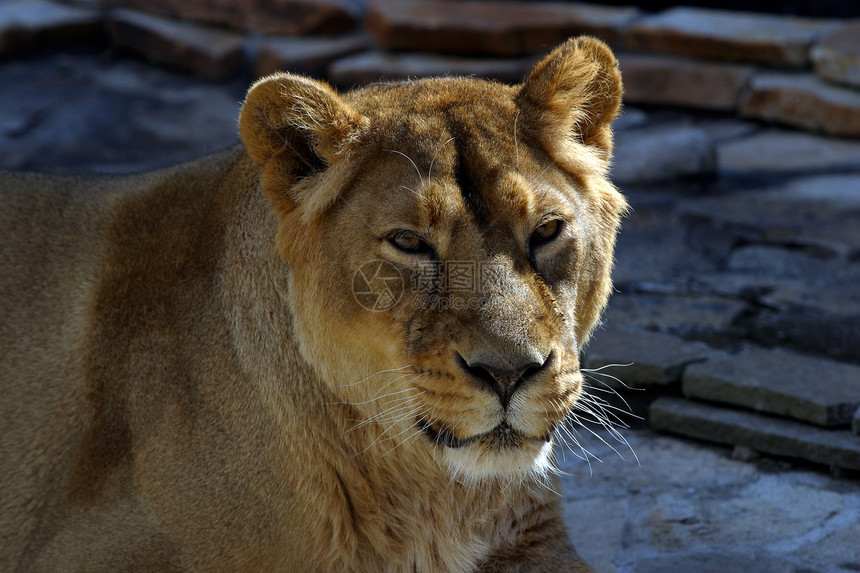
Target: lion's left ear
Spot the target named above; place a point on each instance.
(575, 92)
(293, 127)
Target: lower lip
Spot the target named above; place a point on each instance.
(446, 439)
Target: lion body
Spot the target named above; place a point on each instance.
(189, 384)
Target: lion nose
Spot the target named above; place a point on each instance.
(504, 382)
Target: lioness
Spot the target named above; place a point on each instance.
(344, 346)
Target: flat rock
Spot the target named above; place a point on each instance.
(781, 264)
(784, 278)
(814, 390)
(684, 315)
(713, 562)
(656, 154)
(803, 100)
(629, 118)
(30, 24)
(736, 36)
(667, 80)
(802, 301)
(769, 435)
(309, 56)
(790, 278)
(506, 29)
(834, 335)
(838, 297)
(787, 152)
(723, 129)
(86, 114)
(207, 52)
(836, 56)
(374, 66)
(816, 213)
(640, 358)
(855, 423)
(638, 263)
(290, 17)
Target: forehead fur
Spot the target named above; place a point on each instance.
(462, 131)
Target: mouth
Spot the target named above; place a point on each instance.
(500, 437)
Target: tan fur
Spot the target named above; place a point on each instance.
(189, 383)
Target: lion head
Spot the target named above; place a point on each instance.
(450, 243)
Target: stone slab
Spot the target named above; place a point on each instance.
(654, 359)
(813, 390)
(791, 278)
(803, 301)
(688, 507)
(781, 265)
(638, 262)
(629, 118)
(30, 24)
(289, 17)
(722, 129)
(838, 297)
(735, 36)
(667, 80)
(657, 154)
(207, 52)
(713, 562)
(803, 100)
(836, 56)
(702, 317)
(374, 66)
(490, 28)
(834, 335)
(819, 214)
(308, 56)
(787, 152)
(855, 423)
(89, 114)
(774, 436)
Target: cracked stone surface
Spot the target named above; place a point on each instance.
(684, 507)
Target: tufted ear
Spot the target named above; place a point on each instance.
(294, 127)
(575, 92)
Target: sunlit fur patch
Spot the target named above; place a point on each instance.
(476, 462)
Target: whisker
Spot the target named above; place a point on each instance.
(516, 144)
(378, 373)
(387, 414)
(420, 177)
(375, 398)
(433, 160)
(607, 425)
(605, 366)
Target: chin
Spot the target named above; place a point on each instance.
(483, 460)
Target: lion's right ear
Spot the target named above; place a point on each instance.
(573, 94)
(293, 127)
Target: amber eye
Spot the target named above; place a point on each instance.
(409, 242)
(546, 232)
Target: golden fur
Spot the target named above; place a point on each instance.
(192, 381)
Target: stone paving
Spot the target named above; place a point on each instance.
(688, 508)
(738, 270)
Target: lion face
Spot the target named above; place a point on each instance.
(450, 243)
